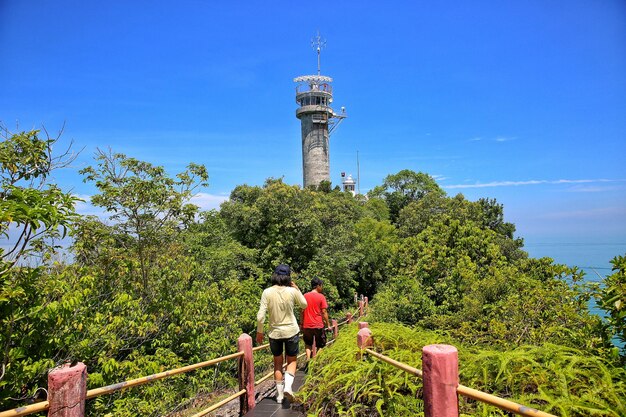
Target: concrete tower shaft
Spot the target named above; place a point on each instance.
(314, 95)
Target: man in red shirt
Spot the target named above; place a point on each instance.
(313, 318)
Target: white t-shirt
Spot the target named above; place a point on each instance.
(279, 301)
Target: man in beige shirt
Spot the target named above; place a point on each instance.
(279, 300)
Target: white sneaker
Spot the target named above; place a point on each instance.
(280, 388)
(288, 383)
(289, 395)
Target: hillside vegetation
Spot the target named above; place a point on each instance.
(556, 379)
(157, 284)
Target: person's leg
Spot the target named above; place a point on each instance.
(278, 368)
(291, 351)
(276, 346)
(278, 378)
(307, 336)
(292, 363)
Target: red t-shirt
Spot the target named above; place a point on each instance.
(313, 312)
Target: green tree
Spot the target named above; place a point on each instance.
(148, 207)
(377, 243)
(398, 190)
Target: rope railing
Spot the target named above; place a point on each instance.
(442, 361)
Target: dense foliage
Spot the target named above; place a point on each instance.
(555, 379)
(158, 284)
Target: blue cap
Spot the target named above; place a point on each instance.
(282, 269)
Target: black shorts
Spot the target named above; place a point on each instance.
(319, 335)
(290, 345)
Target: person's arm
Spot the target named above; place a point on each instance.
(325, 316)
(260, 318)
(299, 297)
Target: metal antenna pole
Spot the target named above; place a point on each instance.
(318, 43)
(358, 173)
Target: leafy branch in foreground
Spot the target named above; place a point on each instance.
(612, 299)
(32, 211)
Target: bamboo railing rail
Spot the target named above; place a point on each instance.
(26, 410)
(219, 404)
(109, 389)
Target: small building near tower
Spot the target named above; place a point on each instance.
(349, 184)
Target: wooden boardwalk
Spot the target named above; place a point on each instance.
(268, 407)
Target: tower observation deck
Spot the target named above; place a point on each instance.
(314, 95)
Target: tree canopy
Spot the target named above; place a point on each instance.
(160, 284)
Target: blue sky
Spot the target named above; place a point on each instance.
(524, 102)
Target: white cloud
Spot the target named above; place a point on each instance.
(203, 200)
(85, 208)
(208, 201)
(496, 139)
(527, 182)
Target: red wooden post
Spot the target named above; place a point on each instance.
(440, 364)
(364, 336)
(363, 325)
(246, 373)
(67, 388)
(366, 303)
(335, 327)
(349, 318)
(360, 308)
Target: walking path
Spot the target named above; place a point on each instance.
(268, 407)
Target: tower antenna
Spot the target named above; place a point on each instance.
(358, 173)
(318, 43)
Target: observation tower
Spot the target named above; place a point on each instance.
(314, 95)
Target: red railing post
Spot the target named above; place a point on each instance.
(335, 327)
(246, 373)
(440, 364)
(363, 325)
(366, 303)
(364, 336)
(67, 389)
(348, 318)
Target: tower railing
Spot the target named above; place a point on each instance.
(306, 88)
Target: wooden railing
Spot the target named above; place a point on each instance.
(441, 380)
(67, 385)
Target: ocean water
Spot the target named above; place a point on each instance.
(593, 257)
